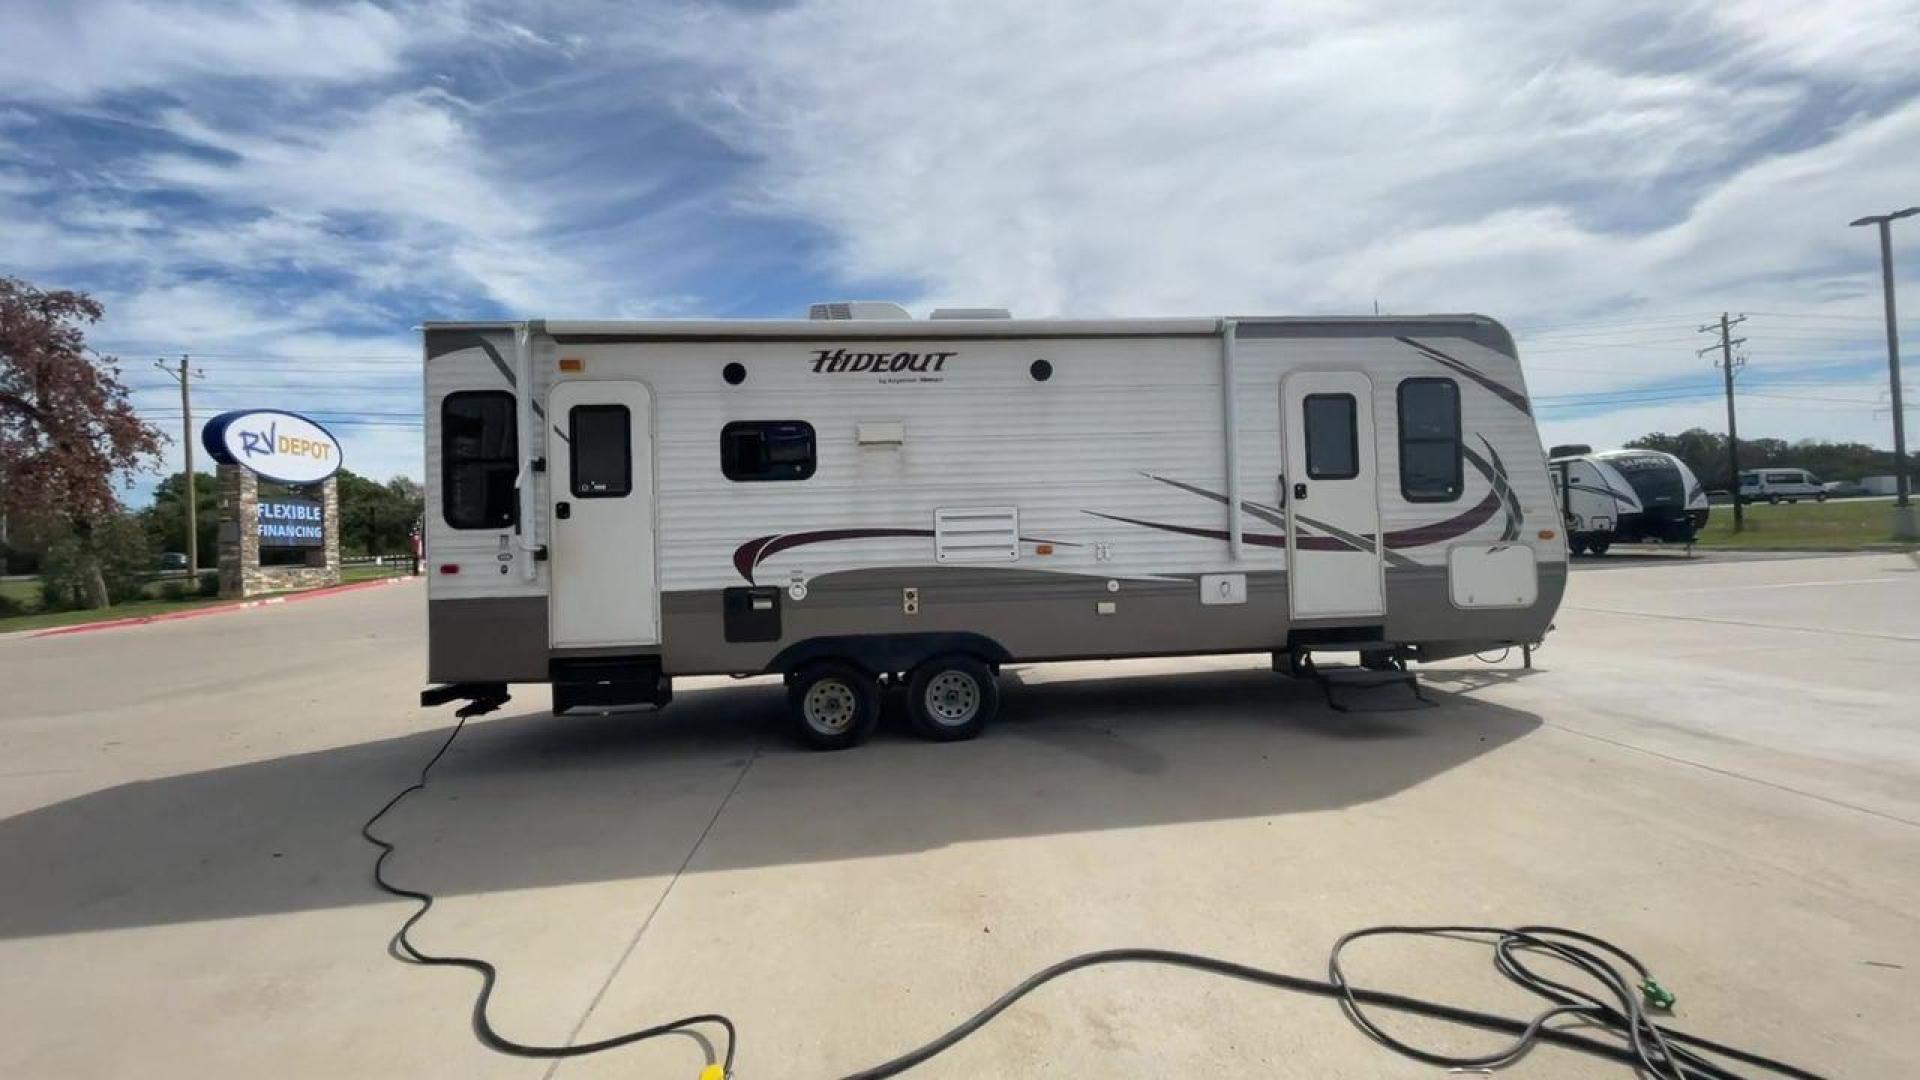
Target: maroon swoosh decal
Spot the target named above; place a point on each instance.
(1448, 529)
(1503, 393)
(748, 556)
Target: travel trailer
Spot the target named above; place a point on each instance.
(862, 499)
(1627, 497)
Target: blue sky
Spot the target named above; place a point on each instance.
(284, 190)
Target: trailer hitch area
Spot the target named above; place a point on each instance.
(480, 698)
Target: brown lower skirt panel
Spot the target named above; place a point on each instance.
(1032, 614)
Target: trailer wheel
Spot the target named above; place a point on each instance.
(952, 697)
(1773, 500)
(1599, 547)
(1576, 547)
(835, 705)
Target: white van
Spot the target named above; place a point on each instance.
(1777, 485)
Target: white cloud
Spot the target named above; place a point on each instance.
(75, 51)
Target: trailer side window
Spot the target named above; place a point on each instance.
(1333, 436)
(753, 450)
(600, 451)
(1430, 458)
(479, 458)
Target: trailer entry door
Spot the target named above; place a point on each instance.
(600, 485)
(1332, 498)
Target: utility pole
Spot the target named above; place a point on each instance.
(185, 376)
(1728, 365)
(1903, 518)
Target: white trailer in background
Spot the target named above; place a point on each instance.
(1627, 497)
(862, 496)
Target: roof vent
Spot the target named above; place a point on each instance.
(971, 313)
(858, 309)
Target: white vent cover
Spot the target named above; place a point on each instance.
(858, 309)
(976, 534)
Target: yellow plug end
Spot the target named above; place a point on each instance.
(713, 1072)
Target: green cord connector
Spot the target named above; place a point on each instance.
(1657, 996)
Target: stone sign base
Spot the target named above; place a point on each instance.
(241, 574)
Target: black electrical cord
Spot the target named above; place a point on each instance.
(1651, 1049)
(404, 948)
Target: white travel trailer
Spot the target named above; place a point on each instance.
(862, 498)
(1627, 497)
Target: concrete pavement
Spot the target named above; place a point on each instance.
(1713, 764)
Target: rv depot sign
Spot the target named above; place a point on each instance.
(299, 525)
(277, 445)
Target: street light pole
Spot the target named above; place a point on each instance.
(1903, 518)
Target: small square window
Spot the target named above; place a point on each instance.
(1333, 436)
(600, 450)
(757, 450)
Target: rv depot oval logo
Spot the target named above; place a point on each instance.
(276, 445)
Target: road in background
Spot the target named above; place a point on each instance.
(1715, 764)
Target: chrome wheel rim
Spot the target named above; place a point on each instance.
(829, 706)
(952, 698)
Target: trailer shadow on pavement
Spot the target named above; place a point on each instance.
(529, 800)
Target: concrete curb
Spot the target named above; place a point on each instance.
(214, 609)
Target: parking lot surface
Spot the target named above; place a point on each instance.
(1715, 763)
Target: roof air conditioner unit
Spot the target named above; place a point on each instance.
(858, 309)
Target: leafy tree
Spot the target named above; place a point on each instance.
(67, 427)
(1705, 452)
(166, 519)
(377, 519)
(114, 556)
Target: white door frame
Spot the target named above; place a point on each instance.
(562, 397)
(1364, 594)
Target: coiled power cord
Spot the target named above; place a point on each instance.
(1622, 1005)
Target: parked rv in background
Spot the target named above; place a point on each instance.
(863, 499)
(1627, 497)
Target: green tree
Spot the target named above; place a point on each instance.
(114, 556)
(166, 519)
(377, 519)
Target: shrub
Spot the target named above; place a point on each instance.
(119, 544)
(177, 589)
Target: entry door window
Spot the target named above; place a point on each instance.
(601, 442)
(1333, 440)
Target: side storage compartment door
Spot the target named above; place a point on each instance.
(1333, 495)
(601, 521)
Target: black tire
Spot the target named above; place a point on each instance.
(834, 705)
(1773, 500)
(1599, 547)
(1576, 547)
(1822, 497)
(952, 697)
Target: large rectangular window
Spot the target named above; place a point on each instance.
(1333, 438)
(600, 449)
(479, 459)
(752, 450)
(1430, 453)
